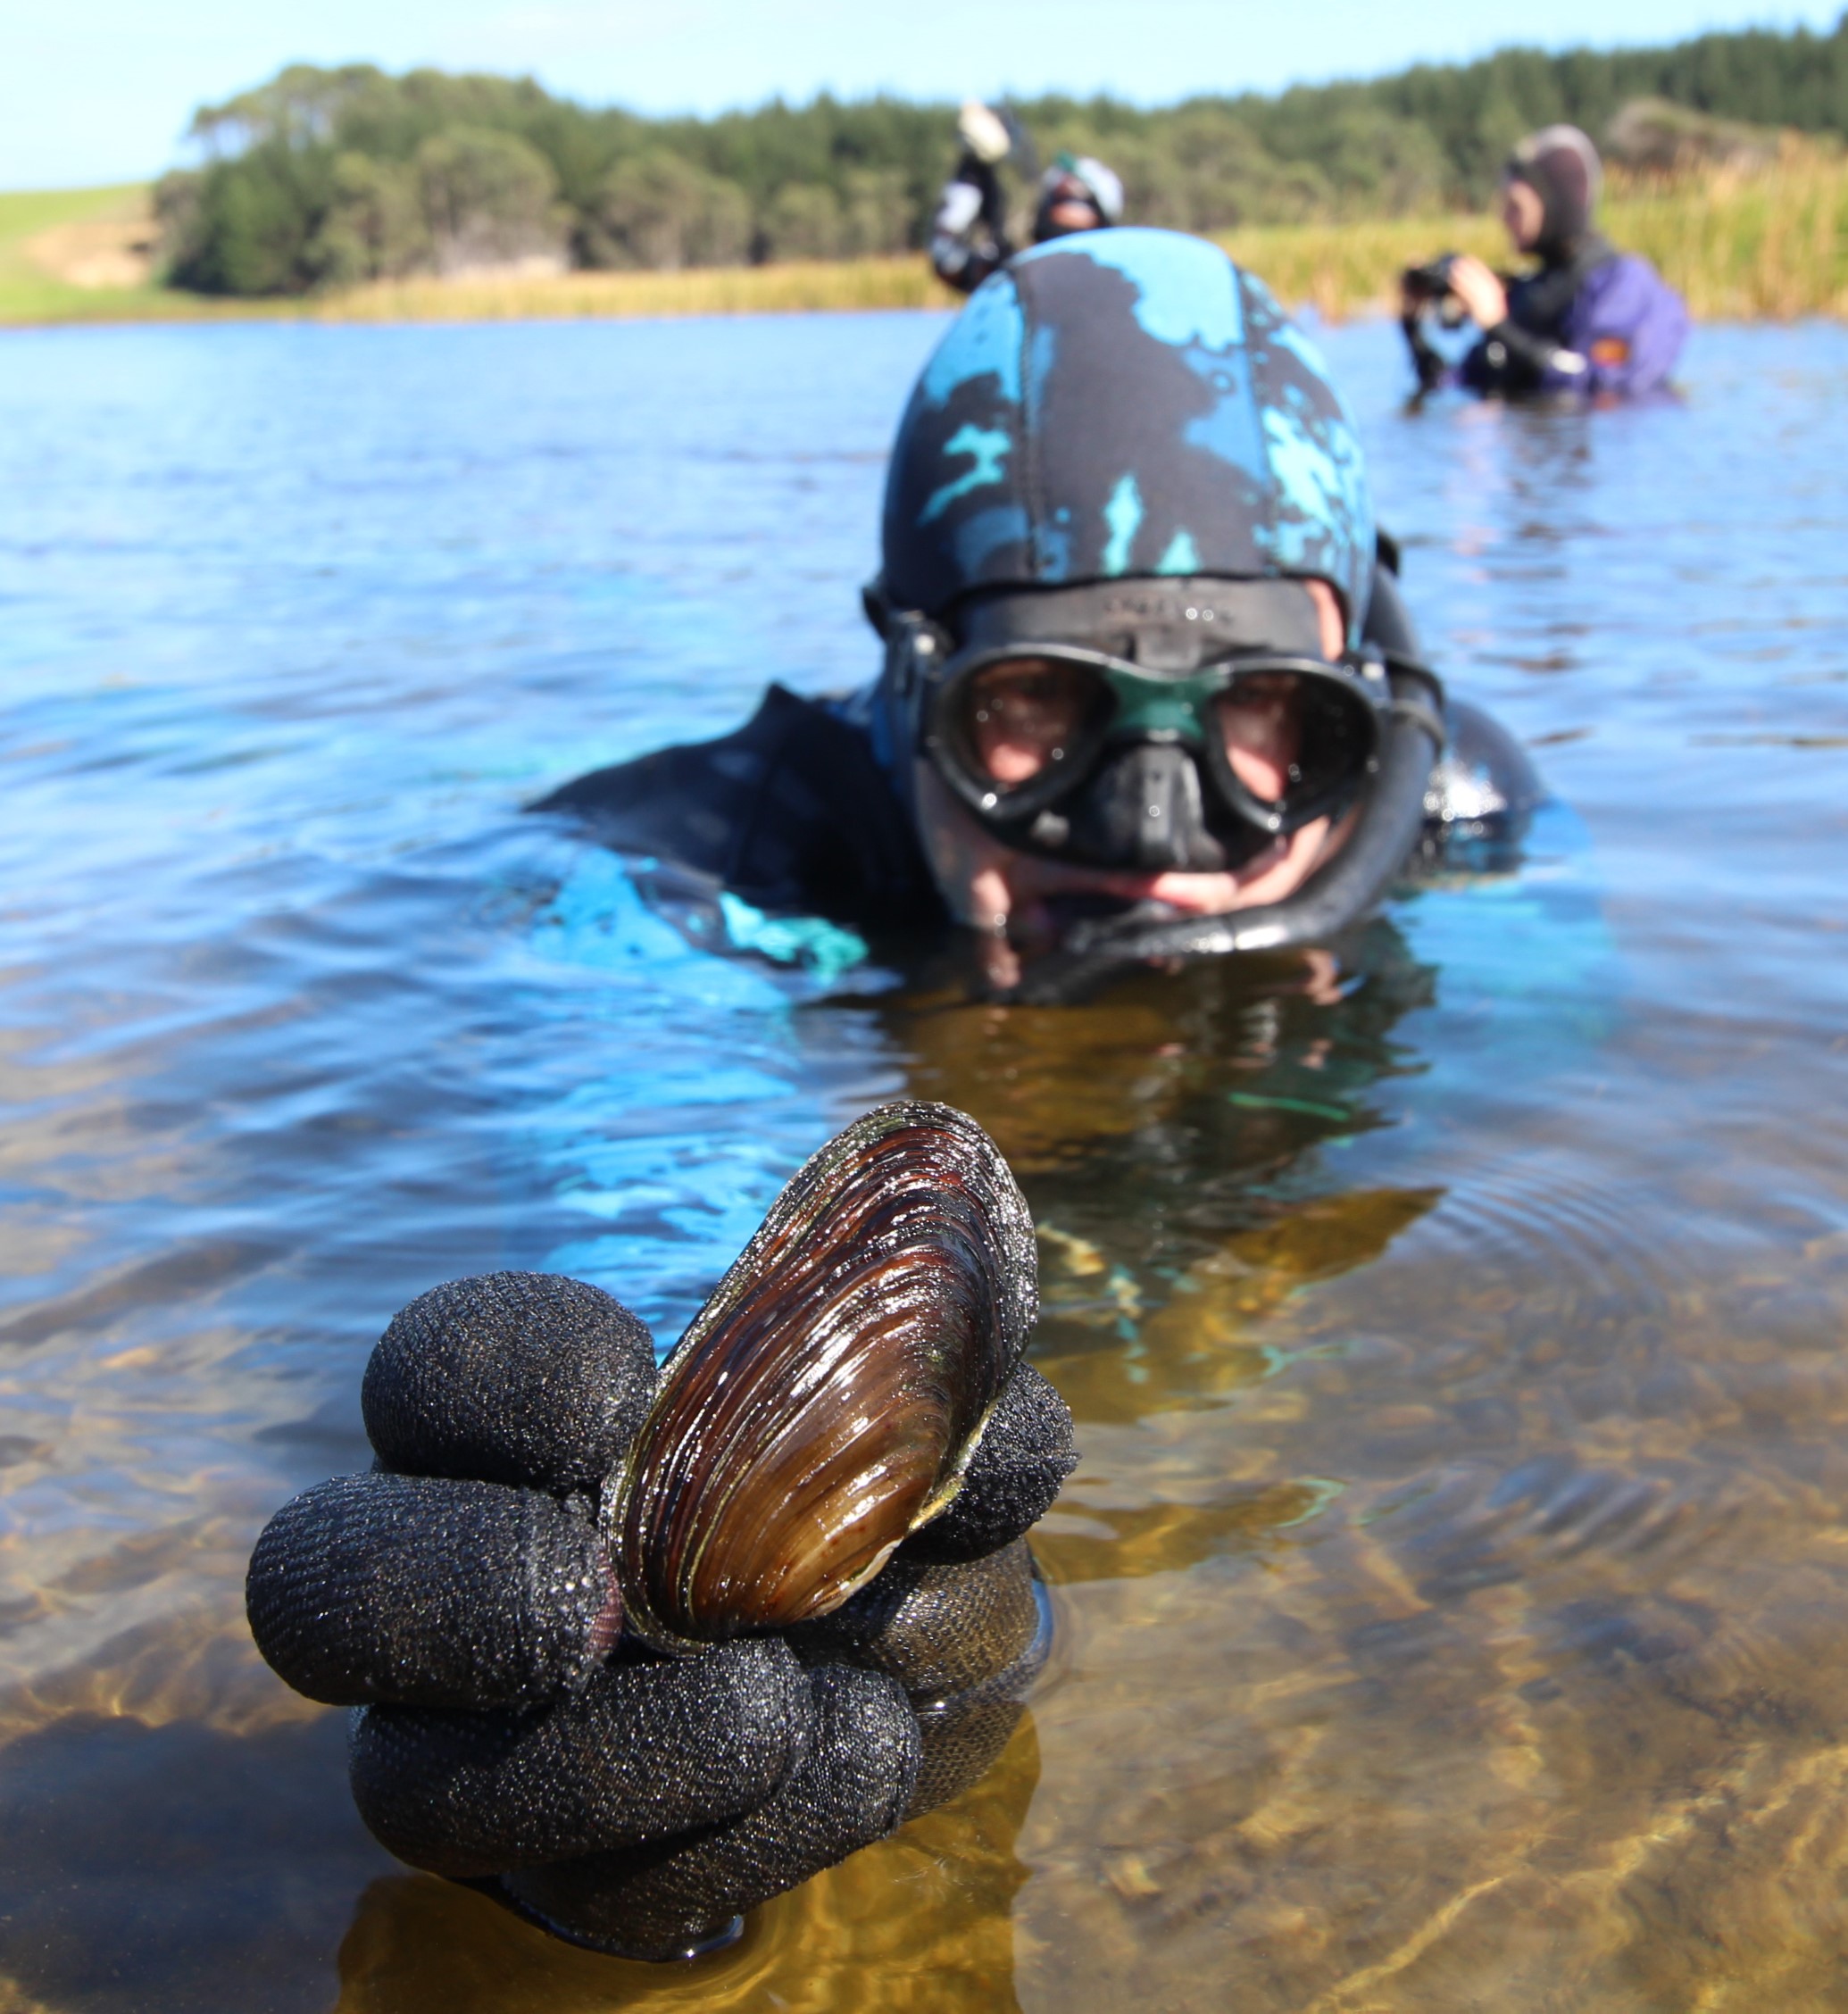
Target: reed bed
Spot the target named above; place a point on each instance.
(1347, 269)
(1771, 244)
(799, 287)
(1767, 243)
(1764, 246)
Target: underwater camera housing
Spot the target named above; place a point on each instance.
(1428, 287)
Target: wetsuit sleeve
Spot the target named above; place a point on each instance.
(1427, 358)
(792, 813)
(1629, 324)
(968, 237)
(1510, 359)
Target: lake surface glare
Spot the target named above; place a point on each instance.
(1454, 1594)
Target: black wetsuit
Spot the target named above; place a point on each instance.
(791, 811)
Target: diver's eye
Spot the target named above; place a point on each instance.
(1022, 716)
(1290, 739)
(1260, 723)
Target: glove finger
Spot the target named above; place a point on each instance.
(938, 1629)
(1023, 1456)
(664, 1901)
(429, 1593)
(530, 1379)
(964, 1733)
(653, 1747)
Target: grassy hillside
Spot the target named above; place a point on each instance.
(45, 233)
(82, 255)
(1771, 243)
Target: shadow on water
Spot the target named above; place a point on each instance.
(210, 1865)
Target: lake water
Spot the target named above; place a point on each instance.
(1453, 1594)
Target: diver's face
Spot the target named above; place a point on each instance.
(1072, 208)
(1075, 213)
(1012, 896)
(1523, 213)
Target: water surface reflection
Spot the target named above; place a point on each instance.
(1452, 1589)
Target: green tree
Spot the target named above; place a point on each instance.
(321, 176)
(488, 198)
(243, 227)
(878, 213)
(657, 209)
(804, 221)
(374, 227)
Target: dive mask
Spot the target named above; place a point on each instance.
(1154, 761)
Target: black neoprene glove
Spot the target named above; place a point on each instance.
(509, 1734)
(1427, 360)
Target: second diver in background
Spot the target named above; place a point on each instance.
(969, 233)
(1588, 319)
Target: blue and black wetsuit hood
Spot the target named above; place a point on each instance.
(1121, 440)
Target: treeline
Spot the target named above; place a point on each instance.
(323, 178)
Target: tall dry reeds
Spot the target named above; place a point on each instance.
(1347, 269)
(1766, 243)
(795, 287)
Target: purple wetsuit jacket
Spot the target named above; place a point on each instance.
(1617, 332)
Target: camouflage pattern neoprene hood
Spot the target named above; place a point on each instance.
(1124, 403)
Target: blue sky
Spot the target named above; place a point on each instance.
(101, 90)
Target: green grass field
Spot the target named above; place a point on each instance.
(31, 292)
(45, 234)
(1768, 246)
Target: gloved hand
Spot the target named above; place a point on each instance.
(984, 132)
(463, 1597)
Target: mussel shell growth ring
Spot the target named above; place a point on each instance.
(827, 1399)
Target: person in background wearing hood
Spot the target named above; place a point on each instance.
(1149, 687)
(968, 237)
(1588, 319)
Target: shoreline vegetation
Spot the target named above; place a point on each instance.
(1768, 241)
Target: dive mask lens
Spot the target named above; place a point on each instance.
(1016, 722)
(1289, 746)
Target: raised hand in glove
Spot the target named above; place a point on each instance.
(640, 1652)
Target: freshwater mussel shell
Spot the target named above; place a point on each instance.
(825, 1400)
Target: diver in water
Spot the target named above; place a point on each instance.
(969, 236)
(1588, 317)
(1149, 687)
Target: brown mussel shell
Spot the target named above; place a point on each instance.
(825, 1401)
